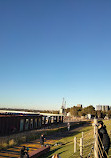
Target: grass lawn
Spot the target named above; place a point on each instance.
(66, 150)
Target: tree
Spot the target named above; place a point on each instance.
(74, 111)
(67, 110)
(89, 110)
(109, 113)
(99, 113)
(81, 113)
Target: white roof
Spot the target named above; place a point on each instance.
(48, 114)
(12, 111)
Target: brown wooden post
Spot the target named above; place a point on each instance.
(95, 139)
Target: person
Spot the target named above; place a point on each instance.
(56, 156)
(104, 140)
(42, 139)
(24, 152)
(68, 126)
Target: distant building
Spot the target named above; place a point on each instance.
(106, 108)
(68, 114)
(82, 117)
(99, 107)
(102, 107)
(89, 116)
(79, 105)
(62, 110)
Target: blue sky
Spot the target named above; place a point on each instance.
(55, 49)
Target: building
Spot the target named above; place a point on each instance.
(68, 114)
(89, 116)
(62, 110)
(102, 107)
(99, 107)
(79, 105)
(106, 108)
(15, 122)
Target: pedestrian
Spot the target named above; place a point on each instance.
(104, 140)
(68, 126)
(24, 152)
(42, 139)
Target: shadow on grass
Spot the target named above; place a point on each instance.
(64, 133)
(50, 152)
(48, 155)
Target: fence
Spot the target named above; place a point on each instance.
(98, 145)
(83, 146)
(91, 147)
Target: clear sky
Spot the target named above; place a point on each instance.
(50, 49)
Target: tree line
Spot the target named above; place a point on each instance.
(79, 111)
